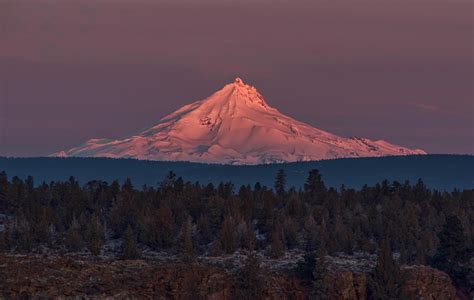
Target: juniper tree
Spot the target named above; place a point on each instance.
(290, 232)
(250, 279)
(165, 226)
(320, 270)
(4, 186)
(305, 267)
(228, 235)
(249, 240)
(187, 244)
(386, 279)
(277, 249)
(94, 237)
(73, 240)
(129, 245)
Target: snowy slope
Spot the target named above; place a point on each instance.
(234, 126)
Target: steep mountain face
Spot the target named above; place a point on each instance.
(234, 126)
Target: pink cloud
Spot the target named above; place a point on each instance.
(436, 109)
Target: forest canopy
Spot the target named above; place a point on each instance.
(423, 226)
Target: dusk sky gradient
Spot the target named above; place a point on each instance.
(400, 70)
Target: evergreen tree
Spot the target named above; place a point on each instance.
(277, 249)
(452, 252)
(280, 181)
(187, 244)
(4, 186)
(25, 242)
(403, 254)
(165, 226)
(320, 286)
(228, 236)
(250, 280)
(420, 253)
(94, 237)
(310, 234)
(386, 280)
(73, 240)
(314, 188)
(313, 269)
(204, 230)
(249, 241)
(6, 242)
(452, 242)
(290, 231)
(129, 245)
(305, 268)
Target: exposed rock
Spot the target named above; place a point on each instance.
(347, 285)
(93, 278)
(423, 282)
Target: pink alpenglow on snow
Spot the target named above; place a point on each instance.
(234, 126)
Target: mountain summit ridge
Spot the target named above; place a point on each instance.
(235, 125)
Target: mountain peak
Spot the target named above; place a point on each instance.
(244, 93)
(234, 126)
(239, 81)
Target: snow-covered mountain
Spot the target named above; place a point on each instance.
(234, 126)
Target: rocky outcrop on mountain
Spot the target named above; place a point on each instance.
(91, 278)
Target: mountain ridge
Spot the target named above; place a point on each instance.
(443, 172)
(235, 125)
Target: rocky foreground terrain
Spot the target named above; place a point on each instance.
(85, 277)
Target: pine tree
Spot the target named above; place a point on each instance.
(452, 252)
(228, 236)
(320, 286)
(6, 242)
(290, 231)
(129, 245)
(310, 234)
(277, 249)
(250, 281)
(313, 269)
(204, 230)
(4, 186)
(73, 240)
(94, 237)
(165, 226)
(386, 280)
(314, 188)
(452, 242)
(280, 181)
(25, 242)
(420, 253)
(305, 268)
(249, 240)
(187, 244)
(403, 254)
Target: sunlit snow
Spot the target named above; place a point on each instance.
(234, 126)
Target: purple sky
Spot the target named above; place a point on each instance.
(399, 70)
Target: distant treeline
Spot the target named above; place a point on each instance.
(442, 172)
(422, 225)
